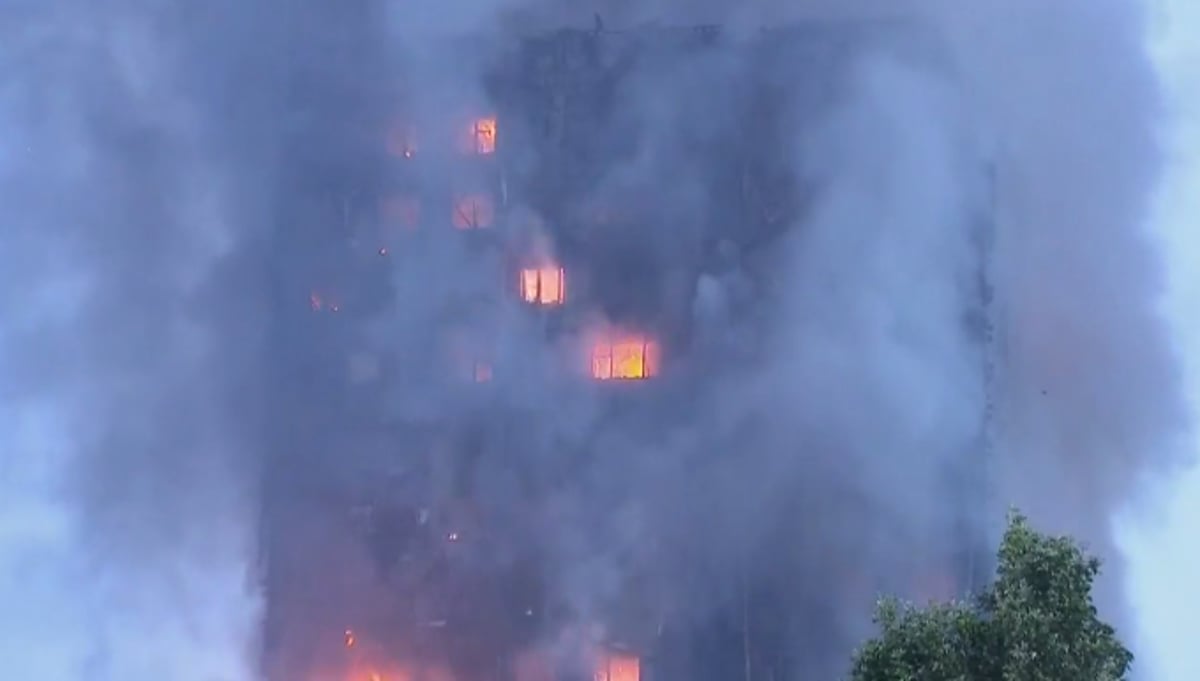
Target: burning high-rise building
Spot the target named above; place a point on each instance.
(500, 254)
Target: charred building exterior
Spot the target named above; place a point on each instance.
(478, 285)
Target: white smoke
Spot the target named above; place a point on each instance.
(1158, 536)
(125, 529)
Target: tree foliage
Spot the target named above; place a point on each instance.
(1036, 622)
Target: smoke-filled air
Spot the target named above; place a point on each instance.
(536, 341)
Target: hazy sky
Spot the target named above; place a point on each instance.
(1162, 547)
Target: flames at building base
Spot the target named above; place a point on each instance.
(366, 663)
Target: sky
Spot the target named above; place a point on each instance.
(1160, 539)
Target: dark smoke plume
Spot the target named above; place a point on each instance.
(140, 168)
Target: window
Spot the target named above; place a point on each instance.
(473, 211)
(480, 137)
(618, 667)
(626, 359)
(543, 286)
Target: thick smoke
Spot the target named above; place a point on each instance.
(815, 463)
(1092, 404)
(1157, 538)
(867, 390)
(856, 391)
(133, 182)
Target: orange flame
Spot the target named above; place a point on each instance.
(625, 359)
(373, 674)
(481, 136)
(618, 667)
(364, 662)
(473, 211)
(543, 286)
(399, 673)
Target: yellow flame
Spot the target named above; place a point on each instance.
(630, 358)
(482, 138)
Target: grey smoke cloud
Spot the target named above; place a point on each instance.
(1156, 538)
(814, 457)
(128, 326)
(1091, 386)
(1089, 405)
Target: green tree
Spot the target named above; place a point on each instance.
(1036, 622)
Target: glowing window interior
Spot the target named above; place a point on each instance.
(481, 136)
(626, 359)
(473, 211)
(543, 286)
(618, 667)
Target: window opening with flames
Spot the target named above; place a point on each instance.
(625, 358)
(370, 663)
(480, 137)
(618, 667)
(607, 666)
(473, 211)
(546, 285)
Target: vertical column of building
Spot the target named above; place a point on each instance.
(982, 516)
(310, 264)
